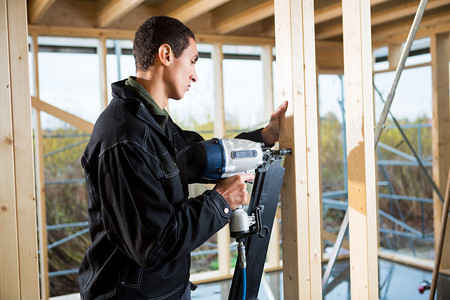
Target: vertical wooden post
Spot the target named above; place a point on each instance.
(223, 236)
(40, 185)
(360, 149)
(301, 192)
(440, 58)
(219, 109)
(273, 252)
(267, 60)
(102, 51)
(395, 52)
(9, 248)
(19, 272)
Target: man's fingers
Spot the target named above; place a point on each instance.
(282, 107)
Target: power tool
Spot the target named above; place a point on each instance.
(220, 158)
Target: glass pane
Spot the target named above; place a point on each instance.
(70, 80)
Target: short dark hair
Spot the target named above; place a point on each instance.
(156, 31)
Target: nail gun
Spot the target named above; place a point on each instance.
(220, 158)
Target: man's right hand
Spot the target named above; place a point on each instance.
(234, 190)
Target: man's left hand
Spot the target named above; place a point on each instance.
(271, 132)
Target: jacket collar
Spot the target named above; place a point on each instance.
(120, 92)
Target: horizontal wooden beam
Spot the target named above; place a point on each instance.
(62, 115)
(242, 15)
(186, 10)
(116, 9)
(335, 11)
(436, 22)
(416, 262)
(37, 9)
(379, 17)
(88, 32)
(233, 40)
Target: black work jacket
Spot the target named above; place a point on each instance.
(142, 224)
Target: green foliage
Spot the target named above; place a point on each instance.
(66, 202)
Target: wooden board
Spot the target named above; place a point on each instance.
(9, 248)
(301, 193)
(360, 149)
(440, 53)
(23, 152)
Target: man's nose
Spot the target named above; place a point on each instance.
(194, 76)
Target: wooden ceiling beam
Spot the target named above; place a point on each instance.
(186, 10)
(437, 22)
(335, 11)
(37, 9)
(404, 10)
(114, 10)
(380, 17)
(242, 15)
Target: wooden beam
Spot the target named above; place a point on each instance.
(394, 54)
(330, 57)
(416, 262)
(223, 236)
(335, 11)
(114, 10)
(382, 17)
(219, 110)
(440, 59)
(186, 10)
(267, 62)
(427, 31)
(301, 191)
(62, 114)
(40, 183)
(85, 32)
(22, 145)
(9, 247)
(436, 22)
(238, 14)
(403, 10)
(129, 35)
(37, 9)
(359, 117)
(102, 52)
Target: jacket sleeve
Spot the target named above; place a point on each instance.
(253, 136)
(137, 215)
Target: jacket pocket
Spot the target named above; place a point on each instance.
(131, 275)
(168, 166)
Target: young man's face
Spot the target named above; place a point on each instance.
(182, 72)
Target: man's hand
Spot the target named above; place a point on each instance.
(233, 189)
(270, 133)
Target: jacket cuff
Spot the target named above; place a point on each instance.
(255, 136)
(220, 203)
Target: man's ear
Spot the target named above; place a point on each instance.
(164, 54)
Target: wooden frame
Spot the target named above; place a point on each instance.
(19, 272)
(301, 192)
(40, 182)
(362, 200)
(440, 58)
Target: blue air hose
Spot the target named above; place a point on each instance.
(244, 284)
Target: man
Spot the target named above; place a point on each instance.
(143, 226)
